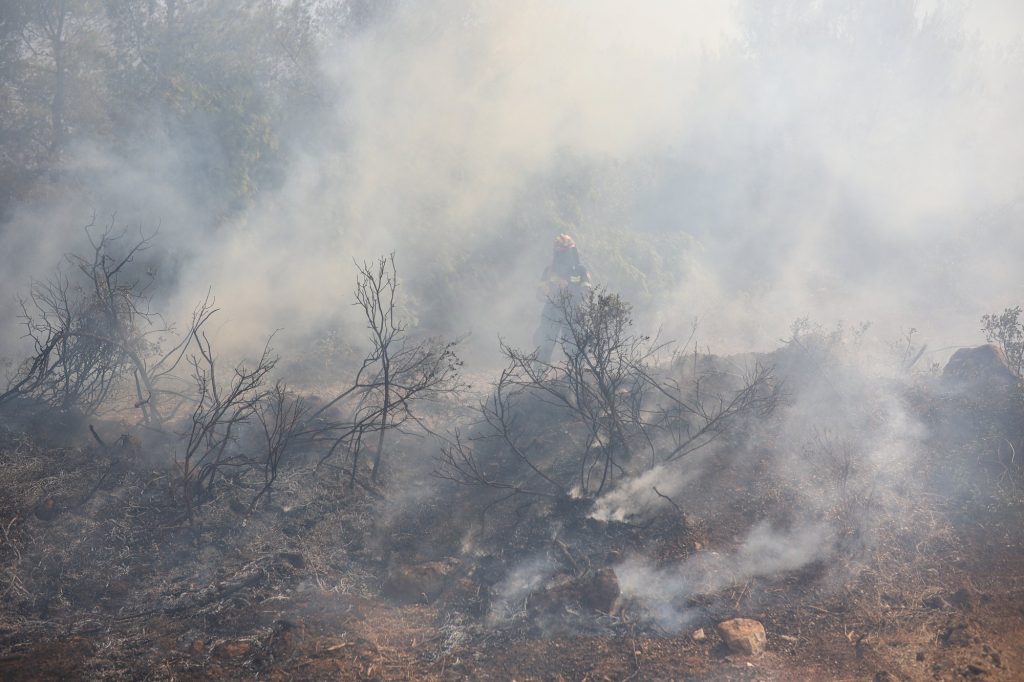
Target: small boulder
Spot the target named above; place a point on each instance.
(743, 636)
(982, 367)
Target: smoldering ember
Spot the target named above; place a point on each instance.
(467, 339)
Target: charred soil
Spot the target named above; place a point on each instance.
(101, 577)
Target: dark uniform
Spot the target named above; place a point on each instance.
(566, 277)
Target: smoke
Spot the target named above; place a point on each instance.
(836, 468)
(639, 499)
(523, 579)
(447, 119)
(764, 551)
(742, 164)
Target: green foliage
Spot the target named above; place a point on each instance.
(224, 78)
(645, 266)
(1006, 330)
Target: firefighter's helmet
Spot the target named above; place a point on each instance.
(564, 242)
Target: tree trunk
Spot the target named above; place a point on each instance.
(383, 426)
(60, 66)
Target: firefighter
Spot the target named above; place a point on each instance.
(563, 283)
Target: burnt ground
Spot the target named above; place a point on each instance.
(101, 578)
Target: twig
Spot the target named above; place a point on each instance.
(666, 497)
(97, 437)
(567, 556)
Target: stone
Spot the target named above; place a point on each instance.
(743, 636)
(699, 635)
(982, 365)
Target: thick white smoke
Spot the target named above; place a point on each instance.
(764, 551)
(833, 159)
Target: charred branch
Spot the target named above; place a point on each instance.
(606, 401)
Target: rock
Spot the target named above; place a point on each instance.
(983, 367)
(743, 636)
(418, 583)
(699, 635)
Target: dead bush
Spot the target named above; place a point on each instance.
(605, 412)
(397, 374)
(220, 410)
(94, 335)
